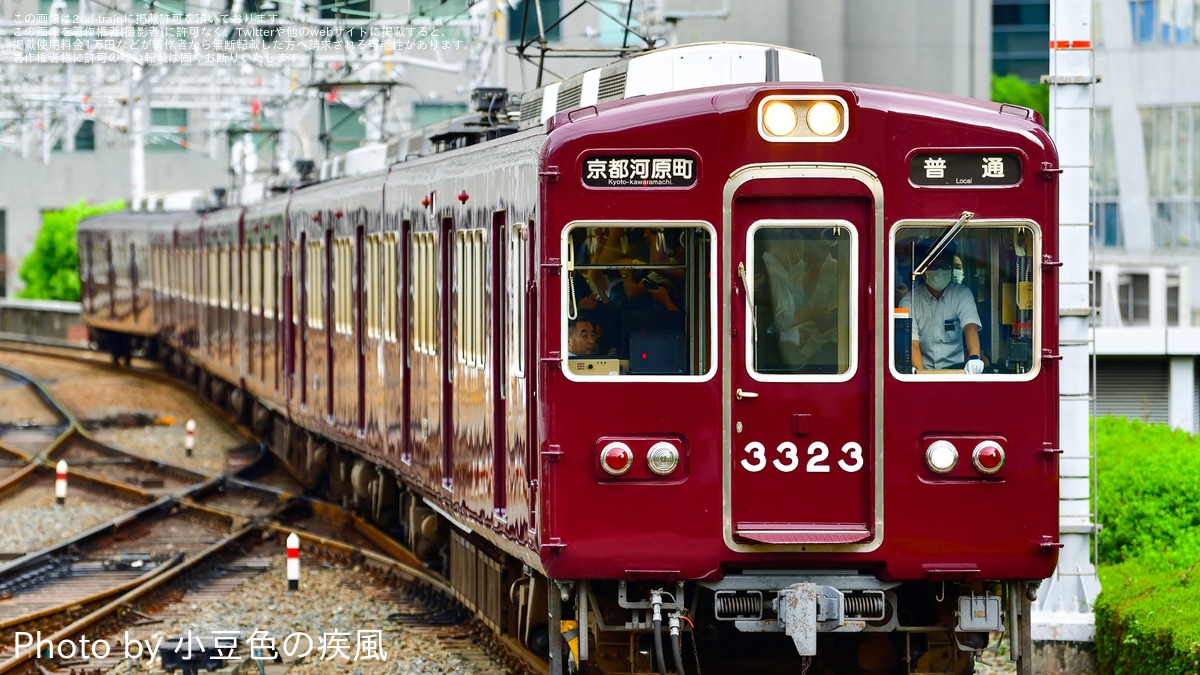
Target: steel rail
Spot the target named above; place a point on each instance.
(92, 618)
(92, 599)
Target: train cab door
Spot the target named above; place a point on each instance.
(802, 467)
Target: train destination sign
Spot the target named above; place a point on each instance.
(639, 171)
(956, 168)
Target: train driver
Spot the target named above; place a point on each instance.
(581, 339)
(945, 321)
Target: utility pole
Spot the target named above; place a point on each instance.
(1064, 626)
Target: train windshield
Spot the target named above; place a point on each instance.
(803, 307)
(974, 308)
(639, 299)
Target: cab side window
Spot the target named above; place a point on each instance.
(967, 304)
(639, 300)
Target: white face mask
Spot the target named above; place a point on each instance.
(958, 276)
(938, 279)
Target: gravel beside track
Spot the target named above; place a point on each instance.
(30, 520)
(335, 598)
(98, 391)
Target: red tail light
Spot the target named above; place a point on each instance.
(616, 458)
(988, 457)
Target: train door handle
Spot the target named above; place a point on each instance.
(745, 394)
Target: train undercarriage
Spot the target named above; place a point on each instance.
(749, 621)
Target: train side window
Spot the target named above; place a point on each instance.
(518, 279)
(370, 276)
(268, 280)
(638, 299)
(469, 256)
(297, 280)
(222, 276)
(475, 263)
(343, 285)
(390, 286)
(211, 286)
(255, 294)
(242, 282)
(315, 286)
(805, 312)
(988, 304)
(460, 291)
(424, 273)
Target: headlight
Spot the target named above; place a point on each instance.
(825, 119)
(779, 118)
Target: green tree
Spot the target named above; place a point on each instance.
(51, 270)
(1012, 89)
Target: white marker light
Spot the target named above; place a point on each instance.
(941, 456)
(662, 458)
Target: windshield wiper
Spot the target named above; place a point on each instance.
(942, 242)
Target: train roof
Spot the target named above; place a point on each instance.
(132, 220)
(977, 114)
(691, 66)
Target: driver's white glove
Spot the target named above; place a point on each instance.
(974, 365)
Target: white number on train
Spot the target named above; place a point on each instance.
(789, 460)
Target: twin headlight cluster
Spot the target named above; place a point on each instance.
(802, 119)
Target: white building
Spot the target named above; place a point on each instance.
(1146, 192)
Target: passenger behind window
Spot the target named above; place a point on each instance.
(648, 280)
(945, 321)
(803, 279)
(648, 274)
(581, 339)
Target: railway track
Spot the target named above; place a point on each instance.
(190, 549)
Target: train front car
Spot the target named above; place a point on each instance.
(771, 408)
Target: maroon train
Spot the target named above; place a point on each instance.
(742, 447)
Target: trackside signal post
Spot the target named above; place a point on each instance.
(1063, 623)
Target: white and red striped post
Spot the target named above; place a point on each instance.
(293, 562)
(60, 482)
(189, 441)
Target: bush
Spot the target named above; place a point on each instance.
(1148, 614)
(51, 270)
(1149, 489)
(1148, 620)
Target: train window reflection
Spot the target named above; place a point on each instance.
(639, 299)
(803, 307)
(974, 308)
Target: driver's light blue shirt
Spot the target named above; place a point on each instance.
(937, 323)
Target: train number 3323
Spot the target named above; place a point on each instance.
(789, 459)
